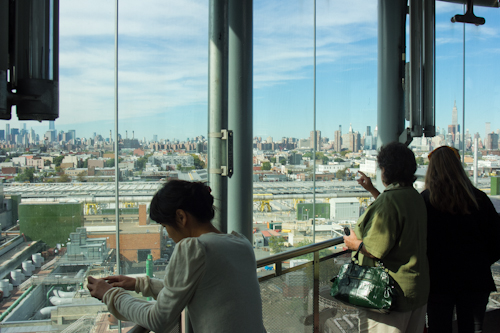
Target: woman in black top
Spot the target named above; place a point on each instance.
(461, 244)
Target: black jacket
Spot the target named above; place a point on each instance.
(462, 248)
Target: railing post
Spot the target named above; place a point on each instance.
(316, 292)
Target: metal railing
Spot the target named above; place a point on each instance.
(303, 282)
(279, 263)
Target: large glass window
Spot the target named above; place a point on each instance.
(60, 176)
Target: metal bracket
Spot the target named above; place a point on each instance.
(406, 137)
(227, 169)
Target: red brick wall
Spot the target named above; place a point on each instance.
(130, 243)
(143, 215)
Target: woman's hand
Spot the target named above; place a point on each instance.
(367, 184)
(352, 242)
(122, 281)
(97, 287)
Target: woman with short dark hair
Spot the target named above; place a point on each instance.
(393, 229)
(462, 244)
(211, 273)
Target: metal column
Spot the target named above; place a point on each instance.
(217, 107)
(391, 69)
(240, 186)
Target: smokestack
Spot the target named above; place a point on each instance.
(126, 135)
(132, 135)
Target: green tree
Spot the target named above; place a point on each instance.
(273, 159)
(58, 160)
(338, 159)
(178, 167)
(419, 160)
(282, 160)
(308, 154)
(266, 166)
(64, 178)
(276, 244)
(111, 162)
(341, 173)
(141, 162)
(345, 152)
(25, 176)
(81, 177)
(198, 164)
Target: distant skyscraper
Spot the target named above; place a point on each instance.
(368, 130)
(337, 144)
(487, 128)
(491, 141)
(7, 132)
(454, 114)
(318, 140)
(51, 125)
(155, 138)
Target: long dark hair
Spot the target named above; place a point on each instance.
(192, 197)
(450, 190)
(399, 164)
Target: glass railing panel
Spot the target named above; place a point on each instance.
(334, 316)
(286, 302)
(289, 289)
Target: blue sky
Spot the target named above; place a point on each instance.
(163, 70)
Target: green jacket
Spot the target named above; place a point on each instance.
(394, 229)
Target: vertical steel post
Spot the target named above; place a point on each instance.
(4, 57)
(117, 170)
(416, 14)
(463, 95)
(315, 140)
(391, 49)
(429, 69)
(4, 35)
(240, 185)
(217, 107)
(476, 142)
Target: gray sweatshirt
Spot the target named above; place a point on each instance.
(214, 275)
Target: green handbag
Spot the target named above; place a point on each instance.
(367, 287)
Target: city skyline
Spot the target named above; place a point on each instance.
(163, 74)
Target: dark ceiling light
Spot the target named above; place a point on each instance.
(29, 59)
(469, 16)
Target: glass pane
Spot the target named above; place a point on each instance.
(481, 104)
(283, 121)
(449, 79)
(47, 193)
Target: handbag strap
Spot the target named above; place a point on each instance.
(357, 252)
(356, 255)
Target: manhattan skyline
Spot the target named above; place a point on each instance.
(163, 70)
